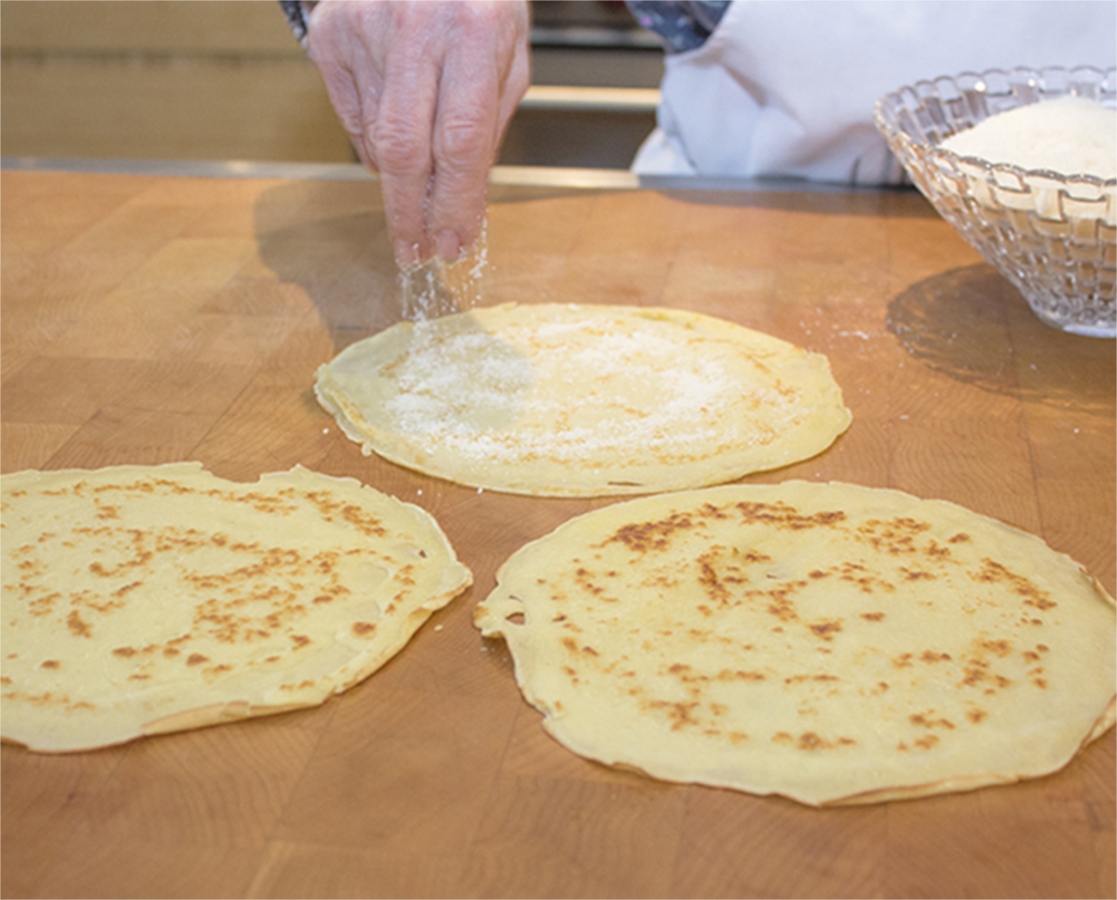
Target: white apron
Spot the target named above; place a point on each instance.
(786, 88)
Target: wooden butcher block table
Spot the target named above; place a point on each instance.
(153, 317)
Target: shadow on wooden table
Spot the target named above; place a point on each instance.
(343, 261)
(974, 326)
(329, 237)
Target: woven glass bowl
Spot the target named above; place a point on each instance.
(1053, 236)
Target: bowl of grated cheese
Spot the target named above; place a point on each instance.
(1023, 163)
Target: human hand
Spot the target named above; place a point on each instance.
(425, 90)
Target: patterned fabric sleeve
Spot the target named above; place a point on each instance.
(683, 24)
(296, 12)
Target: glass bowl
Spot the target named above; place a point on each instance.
(1053, 236)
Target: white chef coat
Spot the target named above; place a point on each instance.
(786, 88)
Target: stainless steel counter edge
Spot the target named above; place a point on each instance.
(528, 176)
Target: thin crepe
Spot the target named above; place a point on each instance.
(566, 400)
(139, 600)
(826, 642)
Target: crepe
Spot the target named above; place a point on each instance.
(566, 400)
(139, 600)
(825, 642)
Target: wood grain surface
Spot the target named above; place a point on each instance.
(151, 319)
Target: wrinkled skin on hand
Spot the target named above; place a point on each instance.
(425, 91)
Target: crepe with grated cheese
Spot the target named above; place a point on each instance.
(139, 600)
(566, 400)
(826, 642)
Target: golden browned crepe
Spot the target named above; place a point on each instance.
(566, 400)
(827, 642)
(139, 600)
